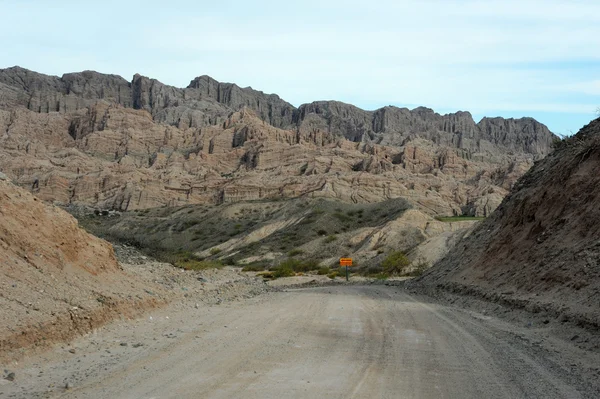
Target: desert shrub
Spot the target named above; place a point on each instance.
(330, 238)
(215, 251)
(186, 225)
(323, 271)
(322, 232)
(342, 217)
(332, 275)
(395, 263)
(229, 261)
(254, 267)
(189, 261)
(307, 220)
(310, 264)
(295, 252)
(268, 275)
(283, 270)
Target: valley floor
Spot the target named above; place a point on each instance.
(370, 341)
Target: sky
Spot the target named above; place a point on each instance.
(510, 58)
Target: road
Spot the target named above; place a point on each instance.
(326, 342)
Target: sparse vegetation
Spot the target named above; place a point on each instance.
(330, 238)
(266, 275)
(215, 251)
(299, 266)
(189, 261)
(283, 270)
(395, 263)
(295, 252)
(163, 232)
(254, 267)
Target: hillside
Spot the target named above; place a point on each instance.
(265, 233)
(540, 249)
(56, 280)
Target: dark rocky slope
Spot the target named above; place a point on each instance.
(540, 250)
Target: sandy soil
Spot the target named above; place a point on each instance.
(372, 341)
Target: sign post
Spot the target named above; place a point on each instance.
(346, 262)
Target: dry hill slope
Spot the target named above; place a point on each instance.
(541, 248)
(56, 280)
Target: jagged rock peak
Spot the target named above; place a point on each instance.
(206, 102)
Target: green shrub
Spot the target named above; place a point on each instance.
(189, 261)
(323, 271)
(330, 238)
(254, 267)
(342, 217)
(229, 261)
(283, 270)
(332, 275)
(215, 251)
(395, 263)
(295, 252)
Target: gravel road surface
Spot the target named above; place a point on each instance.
(326, 342)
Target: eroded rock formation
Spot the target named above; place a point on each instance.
(102, 141)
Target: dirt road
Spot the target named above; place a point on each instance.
(327, 342)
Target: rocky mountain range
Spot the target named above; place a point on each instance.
(96, 139)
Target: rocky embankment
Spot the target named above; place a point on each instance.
(57, 281)
(540, 250)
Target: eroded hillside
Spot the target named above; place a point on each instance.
(540, 249)
(265, 233)
(94, 139)
(56, 280)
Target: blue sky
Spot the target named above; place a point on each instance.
(538, 58)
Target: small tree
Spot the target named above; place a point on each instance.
(395, 263)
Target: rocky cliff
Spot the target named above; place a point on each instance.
(540, 249)
(208, 102)
(99, 140)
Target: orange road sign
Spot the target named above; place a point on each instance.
(345, 261)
